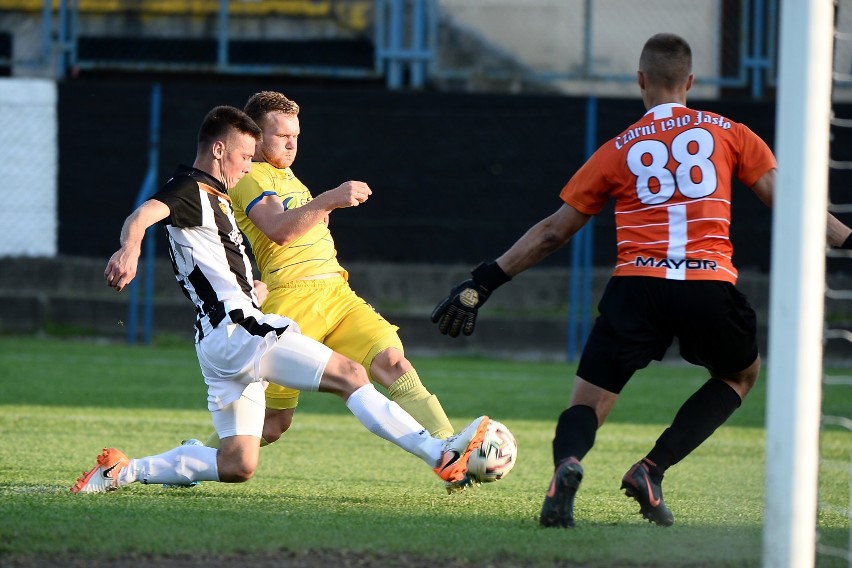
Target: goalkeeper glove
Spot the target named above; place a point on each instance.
(457, 312)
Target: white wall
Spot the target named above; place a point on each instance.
(28, 167)
(548, 35)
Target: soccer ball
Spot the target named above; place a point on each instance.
(495, 457)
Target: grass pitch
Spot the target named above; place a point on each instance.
(330, 486)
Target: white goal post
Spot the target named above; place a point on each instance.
(797, 283)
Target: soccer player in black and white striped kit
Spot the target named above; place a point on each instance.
(240, 349)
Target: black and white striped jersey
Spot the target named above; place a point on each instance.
(206, 248)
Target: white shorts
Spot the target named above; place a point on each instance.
(233, 357)
(244, 416)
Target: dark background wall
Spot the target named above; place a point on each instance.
(456, 177)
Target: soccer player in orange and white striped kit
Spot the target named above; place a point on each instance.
(670, 176)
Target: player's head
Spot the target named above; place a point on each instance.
(666, 64)
(262, 103)
(278, 117)
(226, 144)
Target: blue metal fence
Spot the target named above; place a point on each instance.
(582, 246)
(146, 190)
(405, 46)
(405, 37)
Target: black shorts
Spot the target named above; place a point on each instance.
(640, 316)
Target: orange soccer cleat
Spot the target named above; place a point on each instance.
(457, 449)
(104, 476)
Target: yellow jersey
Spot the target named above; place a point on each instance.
(309, 255)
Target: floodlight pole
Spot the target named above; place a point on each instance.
(797, 284)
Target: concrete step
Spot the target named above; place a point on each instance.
(527, 318)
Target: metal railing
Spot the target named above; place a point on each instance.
(408, 41)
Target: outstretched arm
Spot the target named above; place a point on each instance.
(457, 312)
(837, 235)
(543, 239)
(121, 267)
(282, 226)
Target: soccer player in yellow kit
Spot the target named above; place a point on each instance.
(289, 235)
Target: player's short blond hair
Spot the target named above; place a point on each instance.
(666, 60)
(262, 103)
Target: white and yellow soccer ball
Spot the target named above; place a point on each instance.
(495, 457)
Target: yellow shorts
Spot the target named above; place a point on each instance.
(329, 311)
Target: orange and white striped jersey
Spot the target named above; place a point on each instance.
(670, 175)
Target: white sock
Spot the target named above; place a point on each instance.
(388, 420)
(181, 465)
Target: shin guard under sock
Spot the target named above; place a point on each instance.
(408, 392)
(575, 433)
(702, 413)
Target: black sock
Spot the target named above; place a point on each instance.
(707, 409)
(575, 433)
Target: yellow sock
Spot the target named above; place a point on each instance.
(213, 441)
(408, 392)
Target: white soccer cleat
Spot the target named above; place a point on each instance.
(104, 476)
(453, 465)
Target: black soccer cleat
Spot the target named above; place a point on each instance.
(558, 507)
(637, 483)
